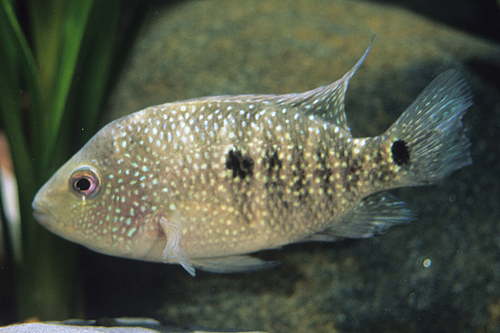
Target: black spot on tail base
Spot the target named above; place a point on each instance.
(400, 152)
(241, 165)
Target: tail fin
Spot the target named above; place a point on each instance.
(429, 137)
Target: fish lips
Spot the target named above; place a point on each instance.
(43, 216)
(53, 224)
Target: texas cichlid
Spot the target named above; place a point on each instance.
(204, 182)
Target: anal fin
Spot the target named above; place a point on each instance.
(320, 237)
(372, 216)
(233, 264)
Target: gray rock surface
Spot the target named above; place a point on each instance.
(55, 328)
(381, 284)
(119, 325)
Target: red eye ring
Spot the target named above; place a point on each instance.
(85, 182)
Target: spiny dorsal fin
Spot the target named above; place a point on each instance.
(326, 102)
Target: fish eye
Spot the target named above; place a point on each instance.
(85, 182)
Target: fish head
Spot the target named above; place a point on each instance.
(91, 201)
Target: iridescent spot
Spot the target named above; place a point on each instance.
(131, 232)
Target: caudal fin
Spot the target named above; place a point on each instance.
(429, 137)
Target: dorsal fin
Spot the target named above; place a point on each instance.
(326, 102)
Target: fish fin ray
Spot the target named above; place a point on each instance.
(233, 264)
(320, 237)
(372, 216)
(326, 102)
(433, 132)
(173, 251)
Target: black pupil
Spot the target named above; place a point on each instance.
(82, 184)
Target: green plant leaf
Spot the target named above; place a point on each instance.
(58, 30)
(99, 45)
(17, 61)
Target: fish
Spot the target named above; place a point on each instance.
(206, 182)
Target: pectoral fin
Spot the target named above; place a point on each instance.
(173, 251)
(233, 264)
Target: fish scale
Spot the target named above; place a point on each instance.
(204, 182)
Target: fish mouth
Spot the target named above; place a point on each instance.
(43, 216)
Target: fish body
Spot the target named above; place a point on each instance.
(206, 181)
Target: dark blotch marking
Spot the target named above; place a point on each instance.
(353, 169)
(378, 158)
(274, 185)
(301, 184)
(241, 166)
(400, 152)
(272, 163)
(324, 173)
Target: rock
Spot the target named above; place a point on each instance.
(56, 328)
(119, 325)
(439, 273)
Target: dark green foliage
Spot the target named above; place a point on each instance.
(57, 61)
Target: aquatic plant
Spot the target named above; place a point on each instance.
(58, 59)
